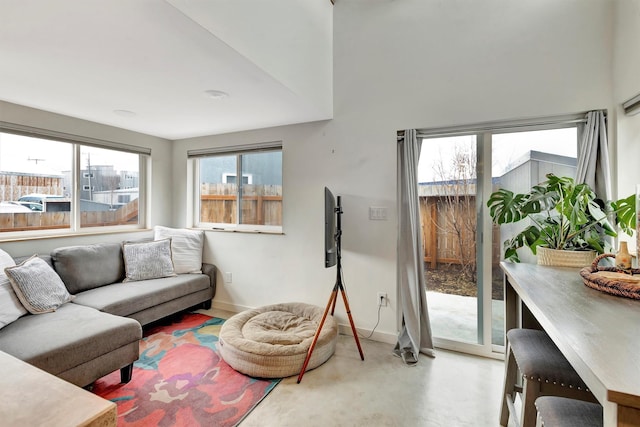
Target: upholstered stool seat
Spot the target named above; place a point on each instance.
(563, 412)
(273, 341)
(544, 370)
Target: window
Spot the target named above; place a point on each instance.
(66, 185)
(255, 204)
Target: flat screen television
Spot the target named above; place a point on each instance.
(330, 232)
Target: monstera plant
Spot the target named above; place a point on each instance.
(564, 216)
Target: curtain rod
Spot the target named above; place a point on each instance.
(235, 149)
(502, 126)
(496, 129)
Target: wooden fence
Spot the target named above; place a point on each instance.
(15, 185)
(29, 221)
(127, 214)
(261, 204)
(441, 241)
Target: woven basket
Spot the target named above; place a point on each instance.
(612, 280)
(559, 258)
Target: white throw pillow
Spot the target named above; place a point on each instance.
(10, 306)
(38, 286)
(147, 260)
(186, 247)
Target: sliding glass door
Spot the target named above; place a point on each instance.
(456, 176)
(520, 160)
(447, 191)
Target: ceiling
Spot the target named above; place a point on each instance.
(146, 65)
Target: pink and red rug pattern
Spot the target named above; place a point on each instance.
(181, 380)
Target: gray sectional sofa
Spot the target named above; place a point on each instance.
(98, 332)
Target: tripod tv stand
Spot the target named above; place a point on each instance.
(331, 304)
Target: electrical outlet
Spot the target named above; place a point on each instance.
(382, 299)
(227, 277)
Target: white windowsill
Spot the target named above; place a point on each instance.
(240, 230)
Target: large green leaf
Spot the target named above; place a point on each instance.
(575, 205)
(540, 199)
(625, 210)
(600, 216)
(505, 206)
(511, 254)
(526, 237)
(558, 183)
(594, 241)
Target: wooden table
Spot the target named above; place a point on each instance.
(32, 397)
(598, 333)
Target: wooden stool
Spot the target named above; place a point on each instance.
(563, 412)
(545, 371)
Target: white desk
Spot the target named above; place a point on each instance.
(598, 333)
(31, 397)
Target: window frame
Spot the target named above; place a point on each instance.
(196, 155)
(77, 142)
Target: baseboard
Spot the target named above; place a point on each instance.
(383, 337)
(233, 308)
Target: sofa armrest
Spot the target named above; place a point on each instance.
(210, 270)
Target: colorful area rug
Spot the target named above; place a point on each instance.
(181, 380)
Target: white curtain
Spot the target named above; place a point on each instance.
(413, 316)
(593, 156)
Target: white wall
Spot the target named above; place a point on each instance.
(161, 177)
(399, 64)
(626, 78)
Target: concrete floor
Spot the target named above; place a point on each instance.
(455, 317)
(452, 390)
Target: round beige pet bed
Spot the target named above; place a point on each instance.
(273, 341)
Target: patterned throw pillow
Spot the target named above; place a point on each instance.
(10, 307)
(147, 260)
(38, 286)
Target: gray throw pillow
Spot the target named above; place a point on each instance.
(37, 285)
(147, 260)
(85, 267)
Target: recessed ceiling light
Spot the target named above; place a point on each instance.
(216, 94)
(124, 113)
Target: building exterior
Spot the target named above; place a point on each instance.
(100, 183)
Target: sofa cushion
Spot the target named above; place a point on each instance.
(59, 341)
(124, 299)
(186, 248)
(89, 266)
(10, 306)
(148, 260)
(37, 285)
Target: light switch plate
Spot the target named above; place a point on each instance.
(377, 213)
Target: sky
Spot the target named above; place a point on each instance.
(506, 149)
(33, 155)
